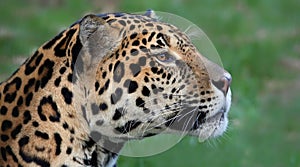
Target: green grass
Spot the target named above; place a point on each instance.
(253, 38)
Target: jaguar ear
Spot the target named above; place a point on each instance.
(150, 13)
(88, 25)
(98, 39)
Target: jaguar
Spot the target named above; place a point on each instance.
(108, 79)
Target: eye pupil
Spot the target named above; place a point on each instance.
(162, 57)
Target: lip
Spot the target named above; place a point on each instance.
(217, 117)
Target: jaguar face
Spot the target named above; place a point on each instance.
(154, 80)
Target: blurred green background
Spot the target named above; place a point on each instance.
(258, 41)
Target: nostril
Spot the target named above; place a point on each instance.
(223, 83)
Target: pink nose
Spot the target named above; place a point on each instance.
(223, 83)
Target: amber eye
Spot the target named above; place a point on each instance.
(165, 57)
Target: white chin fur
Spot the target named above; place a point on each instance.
(223, 123)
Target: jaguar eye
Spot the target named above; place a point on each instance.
(164, 57)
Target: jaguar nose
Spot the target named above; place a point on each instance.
(223, 83)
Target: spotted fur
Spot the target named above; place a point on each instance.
(105, 80)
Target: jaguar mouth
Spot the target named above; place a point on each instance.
(210, 127)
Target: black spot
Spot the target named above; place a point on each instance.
(58, 141)
(104, 74)
(69, 150)
(95, 109)
(3, 154)
(4, 138)
(118, 113)
(132, 26)
(20, 101)
(154, 69)
(106, 84)
(129, 126)
(159, 42)
(28, 99)
(110, 66)
(144, 41)
(122, 22)
(139, 102)
(146, 79)
(10, 97)
(134, 52)
(131, 85)
(117, 54)
(27, 117)
(70, 78)
(46, 71)
(72, 131)
(62, 70)
(67, 94)
(75, 50)
(16, 131)
(6, 124)
(151, 36)
(136, 43)
(15, 111)
(97, 85)
(159, 72)
(101, 91)
(135, 69)
(169, 76)
(145, 32)
(144, 49)
(115, 97)
(3, 110)
(146, 91)
(41, 134)
(118, 71)
(132, 36)
(149, 24)
(103, 106)
(136, 21)
(38, 59)
(159, 27)
(35, 124)
(57, 81)
(65, 125)
(123, 53)
(61, 48)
